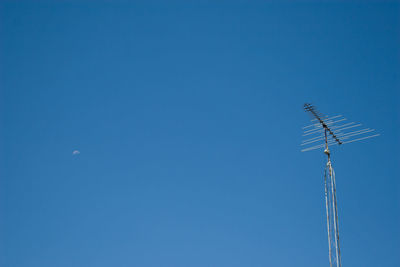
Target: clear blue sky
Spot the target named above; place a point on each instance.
(188, 118)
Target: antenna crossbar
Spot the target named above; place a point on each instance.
(311, 109)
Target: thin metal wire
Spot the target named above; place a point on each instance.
(341, 127)
(313, 138)
(362, 138)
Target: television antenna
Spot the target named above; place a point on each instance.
(324, 132)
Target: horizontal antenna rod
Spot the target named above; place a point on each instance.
(315, 124)
(332, 143)
(319, 126)
(340, 135)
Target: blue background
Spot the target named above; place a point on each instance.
(188, 118)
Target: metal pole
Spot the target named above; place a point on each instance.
(334, 211)
(327, 203)
(330, 196)
(338, 257)
(328, 218)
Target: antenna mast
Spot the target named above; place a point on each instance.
(327, 130)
